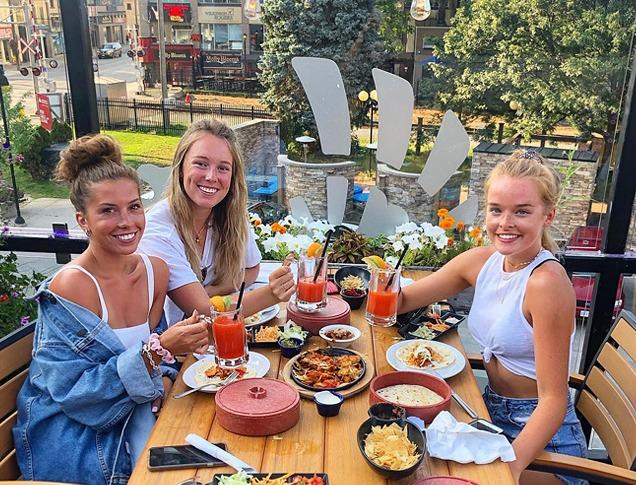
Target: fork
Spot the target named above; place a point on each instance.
(227, 380)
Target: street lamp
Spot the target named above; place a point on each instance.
(370, 101)
(244, 55)
(7, 146)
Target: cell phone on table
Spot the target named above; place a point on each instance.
(181, 456)
(484, 425)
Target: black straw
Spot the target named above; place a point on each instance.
(406, 248)
(322, 255)
(238, 302)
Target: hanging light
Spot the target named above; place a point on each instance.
(373, 95)
(421, 9)
(252, 9)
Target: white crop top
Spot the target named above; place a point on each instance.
(128, 336)
(496, 320)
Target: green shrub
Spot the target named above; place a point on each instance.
(15, 309)
(33, 142)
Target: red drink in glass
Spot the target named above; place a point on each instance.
(383, 297)
(382, 303)
(311, 291)
(230, 339)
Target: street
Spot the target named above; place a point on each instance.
(121, 68)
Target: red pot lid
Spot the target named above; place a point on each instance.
(257, 397)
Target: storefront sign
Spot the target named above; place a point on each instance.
(177, 13)
(220, 60)
(220, 15)
(6, 32)
(111, 19)
(44, 109)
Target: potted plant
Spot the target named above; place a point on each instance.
(16, 311)
(353, 291)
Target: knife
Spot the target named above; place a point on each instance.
(213, 450)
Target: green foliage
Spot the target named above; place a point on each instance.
(561, 60)
(394, 24)
(345, 31)
(351, 247)
(15, 310)
(31, 148)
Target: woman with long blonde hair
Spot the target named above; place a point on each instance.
(202, 230)
(522, 314)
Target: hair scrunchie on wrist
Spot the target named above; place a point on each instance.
(155, 345)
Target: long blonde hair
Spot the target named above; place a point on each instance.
(529, 164)
(228, 219)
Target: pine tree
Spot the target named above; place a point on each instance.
(345, 31)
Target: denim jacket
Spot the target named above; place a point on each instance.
(84, 395)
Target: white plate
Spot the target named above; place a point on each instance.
(266, 315)
(257, 366)
(444, 372)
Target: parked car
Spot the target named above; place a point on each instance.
(110, 49)
(589, 238)
(269, 212)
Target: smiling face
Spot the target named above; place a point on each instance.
(114, 216)
(207, 171)
(516, 217)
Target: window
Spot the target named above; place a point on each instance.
(221, 37)
(181, 36)
(128, 6)
(256, 38)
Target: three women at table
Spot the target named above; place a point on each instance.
(202, 230)
(522, 314)
(98, 362)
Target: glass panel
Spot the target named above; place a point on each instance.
(220, 37)
(207, 37)
(256, 38)
(235, 34)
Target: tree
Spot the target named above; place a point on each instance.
(394, 24)
(345, 31)
(558, 60)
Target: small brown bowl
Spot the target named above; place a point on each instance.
(426, 413)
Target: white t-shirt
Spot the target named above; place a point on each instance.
(161, 239)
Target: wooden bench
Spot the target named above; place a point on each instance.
(15, 357)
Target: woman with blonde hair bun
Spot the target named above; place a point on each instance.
(522, 315)
(202, 230)
(100, 358)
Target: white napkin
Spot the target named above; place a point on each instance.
(448, 439)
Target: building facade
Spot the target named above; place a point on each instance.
(206, 40)
(44, 14)
(107, 22)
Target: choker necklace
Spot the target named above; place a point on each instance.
(197, 236)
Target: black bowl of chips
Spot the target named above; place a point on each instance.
(376, 440)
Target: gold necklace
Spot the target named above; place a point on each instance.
(197, 236)
(522, 264)
(506, 277)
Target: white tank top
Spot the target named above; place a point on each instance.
(496, 320)
(128, 336)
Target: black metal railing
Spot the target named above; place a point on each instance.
(169, 118)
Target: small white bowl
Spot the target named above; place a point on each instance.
(340, 344)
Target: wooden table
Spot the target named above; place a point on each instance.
(315, 444)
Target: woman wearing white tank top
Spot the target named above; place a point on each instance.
(522, 314)
(98, 361)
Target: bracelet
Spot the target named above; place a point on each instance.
(155, 345)
(145, 350)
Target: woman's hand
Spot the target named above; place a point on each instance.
(157, 403)
(281, 281)
(189, 335)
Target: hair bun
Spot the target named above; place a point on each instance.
(87, 151)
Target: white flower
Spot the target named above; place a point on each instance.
(407, 227)
(270, 244)
(412, 240)
(398, 246)
(392, 260)
(441, 242)
(265, 230)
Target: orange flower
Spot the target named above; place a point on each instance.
(447, 223)
(442, 213)
(276, 227)
(475, 232)
(461, 226)
(257, 222)
(451, 241)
